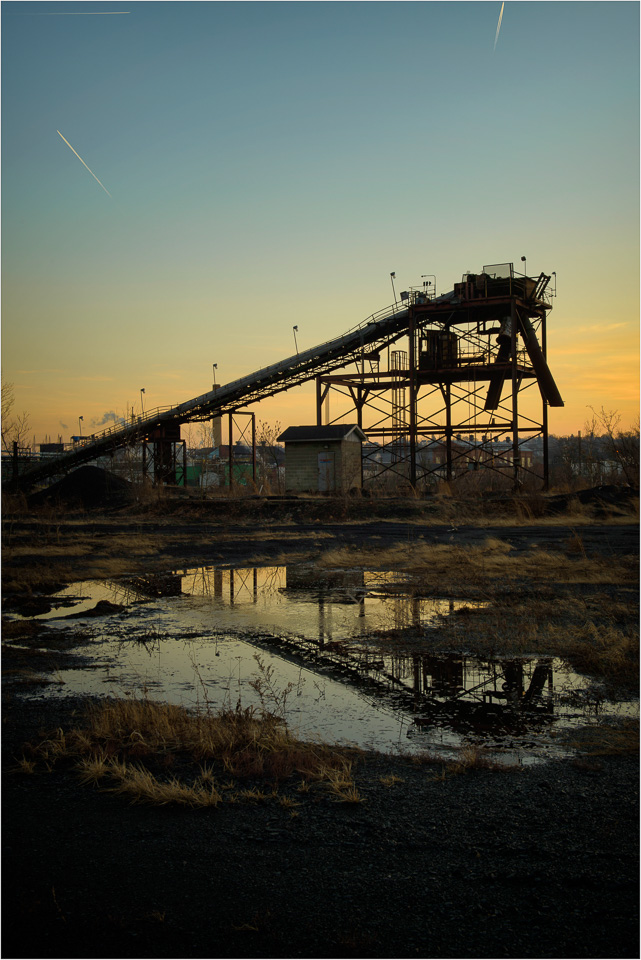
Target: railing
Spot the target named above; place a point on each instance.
(300, 364)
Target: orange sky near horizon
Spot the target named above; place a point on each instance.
(236, 204)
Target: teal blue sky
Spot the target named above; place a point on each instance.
(269, 164)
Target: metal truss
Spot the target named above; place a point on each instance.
(451, 358)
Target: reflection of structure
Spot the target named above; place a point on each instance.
(157, 585)
(478, 696)
(460, 692)
(334, 622)
(230, 586)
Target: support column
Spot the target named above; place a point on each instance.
(544, 418)
(515, 403)
(413, 392)
(253, 416)
(448, 430)
(230, 452)
(15, 464)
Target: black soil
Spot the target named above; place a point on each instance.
(86, 487)
(540, 862)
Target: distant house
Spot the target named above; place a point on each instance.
(325, 459)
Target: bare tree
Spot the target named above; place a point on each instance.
(15, 426)
(269, 454)
(622, 446)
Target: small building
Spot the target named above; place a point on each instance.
(325, 459)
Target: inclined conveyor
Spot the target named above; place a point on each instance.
(476, 295)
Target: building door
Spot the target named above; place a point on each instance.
(326, 475)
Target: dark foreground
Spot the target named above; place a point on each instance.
(533, 863)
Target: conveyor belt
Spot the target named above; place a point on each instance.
(262, 383)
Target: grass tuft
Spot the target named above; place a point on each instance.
(108, 748)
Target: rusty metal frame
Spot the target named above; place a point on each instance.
(433, 409)
(166, 463)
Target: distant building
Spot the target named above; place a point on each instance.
(324, 459)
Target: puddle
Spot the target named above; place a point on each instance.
(194, 636)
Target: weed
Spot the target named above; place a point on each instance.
(156, 916)
(25, 766)
(243, 742)
(57, 905)
(485, 564)
(141, 786)
(346, 794)
(442, 774)
(390, 780)
(472, 757)
(253, 795)
(271, 697)
(92, 769)
(606, 740)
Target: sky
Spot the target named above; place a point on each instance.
(255, 166)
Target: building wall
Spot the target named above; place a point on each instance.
(301, 465)
(351, 470)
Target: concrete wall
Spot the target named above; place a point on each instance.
(301, 465)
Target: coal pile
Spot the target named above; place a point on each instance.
(87, 487)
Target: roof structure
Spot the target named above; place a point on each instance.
(339, 431)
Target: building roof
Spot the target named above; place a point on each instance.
(339, 431)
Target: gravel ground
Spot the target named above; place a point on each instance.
(538, 862)
(528, 863)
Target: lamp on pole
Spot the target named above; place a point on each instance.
(142, 408)
(80, 419)
(295, 340)
(392, 277)
(214, 367)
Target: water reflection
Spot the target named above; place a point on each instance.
(182, 629)
(338, 605)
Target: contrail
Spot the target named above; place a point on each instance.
(75, 13)
(84, 164)
(498, 28)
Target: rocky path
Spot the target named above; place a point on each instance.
(528, 863)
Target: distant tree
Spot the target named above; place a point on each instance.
(15, 426)
(621, 446)
(269, 454)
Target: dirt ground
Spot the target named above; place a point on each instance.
(520, 863)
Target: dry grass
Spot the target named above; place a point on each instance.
(470, 758)
(490, 562)
(391, 780)
(605, 740)
(119, 736)
(598, 636)
(141, 786)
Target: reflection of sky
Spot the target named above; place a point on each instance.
(178, 648)
(264, 597)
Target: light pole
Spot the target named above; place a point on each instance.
(392, 277)
(142, 408)
(295, 341)
(214, 367)
(80, 419)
